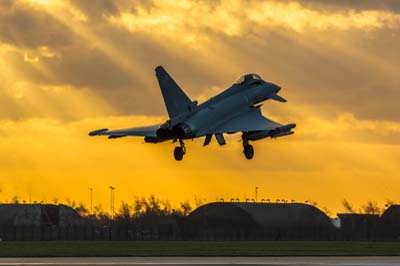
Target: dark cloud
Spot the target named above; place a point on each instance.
(351, 70)
(79, 63)
(89, 67)
(99, 10)
(26, 27)
(364, 82)
(358, 5)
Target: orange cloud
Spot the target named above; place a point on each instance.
(236, 18)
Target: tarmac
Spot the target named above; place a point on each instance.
(198, 261)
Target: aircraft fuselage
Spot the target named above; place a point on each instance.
(220, 109)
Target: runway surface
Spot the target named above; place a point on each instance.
(269, 261)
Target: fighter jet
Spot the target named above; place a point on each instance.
(237, 109)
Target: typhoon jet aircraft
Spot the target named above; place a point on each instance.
(237, 109)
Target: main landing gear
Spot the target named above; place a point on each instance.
(248, 149)
(180, 151)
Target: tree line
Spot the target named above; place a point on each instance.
(153, 206)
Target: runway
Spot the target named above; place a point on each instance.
(198, 261)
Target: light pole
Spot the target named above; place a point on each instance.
(112, 201)
(91, 201)
(256, 193)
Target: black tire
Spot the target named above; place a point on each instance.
(178, 153)
(248, 152)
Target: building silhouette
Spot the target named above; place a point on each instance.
(212, 221)
(259, 221)
(16, 214)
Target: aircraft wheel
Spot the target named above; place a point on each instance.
(248, 152)
(178, 153)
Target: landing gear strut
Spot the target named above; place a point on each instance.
(180, 151)
(248, 149)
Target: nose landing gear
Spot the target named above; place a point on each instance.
(180, 151)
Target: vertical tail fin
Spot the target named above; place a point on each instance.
(176, 101)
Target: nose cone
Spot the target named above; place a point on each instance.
(276, 88)
(271, 87)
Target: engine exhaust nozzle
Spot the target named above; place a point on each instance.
(183, 131)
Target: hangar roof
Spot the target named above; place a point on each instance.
(37, 214)
(261, 214)
(391, 215)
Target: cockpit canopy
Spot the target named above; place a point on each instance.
(246, 78)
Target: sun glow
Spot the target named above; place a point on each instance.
(42, 2)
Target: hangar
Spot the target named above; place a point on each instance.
(252, 221)
(39, 222)
(390, 223)
(16, 214)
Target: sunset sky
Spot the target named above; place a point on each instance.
(68, 67)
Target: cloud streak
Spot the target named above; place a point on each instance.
(238, 17)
